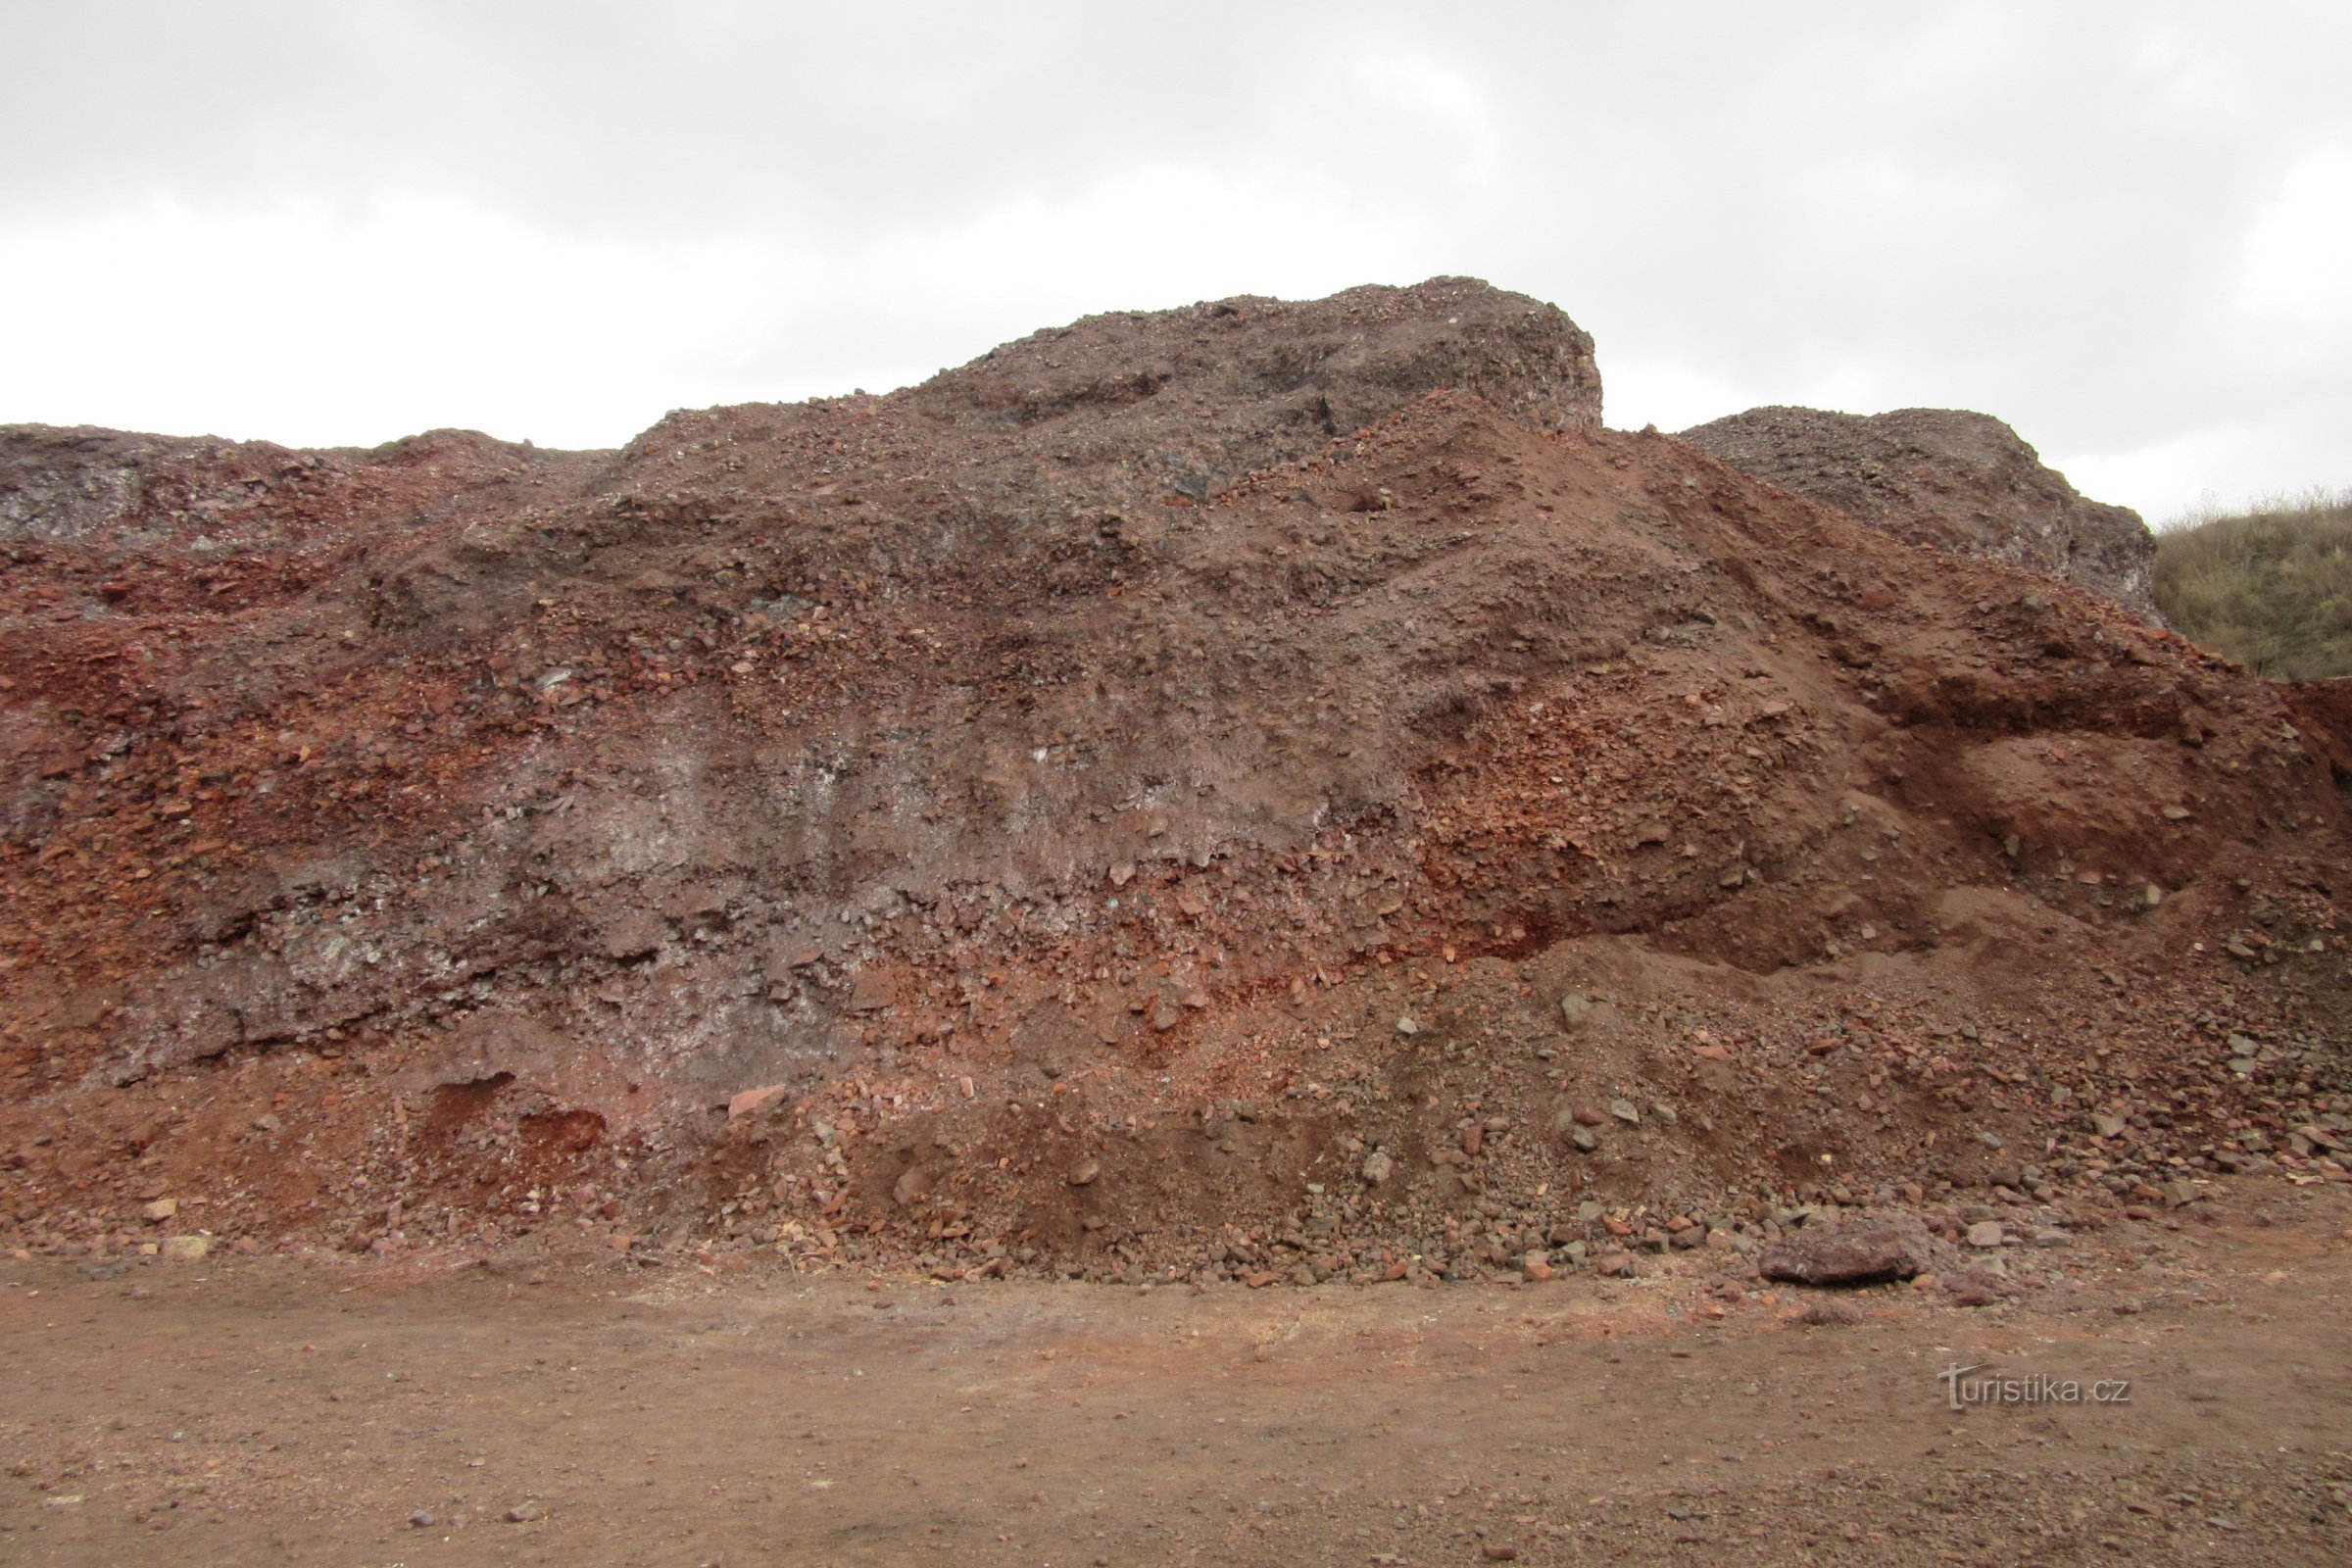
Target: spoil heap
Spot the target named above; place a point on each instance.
(1945, 480)
(1262, 790)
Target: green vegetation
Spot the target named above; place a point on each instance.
(2269, 587)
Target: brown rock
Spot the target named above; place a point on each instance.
(1980, 1284)
(752, 1101)
(912, 1188)
(1863, 1253)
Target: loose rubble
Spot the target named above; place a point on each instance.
(1270, 794)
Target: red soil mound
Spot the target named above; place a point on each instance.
(1126, 825)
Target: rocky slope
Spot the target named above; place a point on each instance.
(1949, 480)
(1264, 789)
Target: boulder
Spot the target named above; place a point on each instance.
(1856, 1252)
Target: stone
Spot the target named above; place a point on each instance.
(1617, 1264)
(420, 1520)
(163, 1208)
(187, 1249)
(1584, 1139)
(1986, 1233)
(752, 1101)
(1856, 1252)
(1085, 1171)
(523, 1514)
(2107, 1125)
(912, 1188)
(1625, 1111)
(1377, 1167)
(1980, 1284)
(1575, 1008)
(1406, 1026)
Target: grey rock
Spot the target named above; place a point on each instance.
(1949, 480)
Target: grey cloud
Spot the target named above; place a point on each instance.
(2038, 209)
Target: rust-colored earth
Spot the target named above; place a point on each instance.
(268, 1411)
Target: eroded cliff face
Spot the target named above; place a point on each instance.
(1262, 763)
(1948, 480)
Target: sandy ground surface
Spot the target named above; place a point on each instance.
(268, 1410)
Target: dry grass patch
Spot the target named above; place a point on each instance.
(2269, 587)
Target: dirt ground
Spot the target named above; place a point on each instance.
(271, 1410)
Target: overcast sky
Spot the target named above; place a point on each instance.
(2127, 229)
